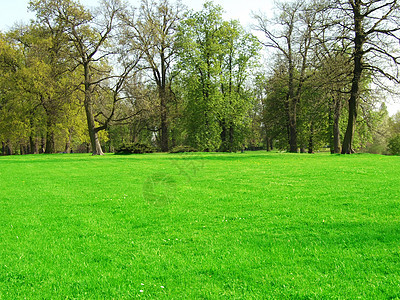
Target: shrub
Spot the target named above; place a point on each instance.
(394, 145)
(182, 149)
(134, 148)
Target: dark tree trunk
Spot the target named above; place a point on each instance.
(50, 141)
(33, 145)
(293, 132)
(336, 126)
(267, 144)
(6, 148)
(292, 109)
(23, 149)
(231, 138)
(347, 147)
(224, 134)
(50, 144)
(311, 140)
(9, 149)
(227, 137)
(162, 86)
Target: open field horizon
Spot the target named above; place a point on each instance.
(251, 225)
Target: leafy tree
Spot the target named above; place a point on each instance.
(239, 55)
(215, 58)
(394, 138)
(46, 77)
(201, 48)
(154, 32)
(88, 35)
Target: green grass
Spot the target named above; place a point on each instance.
(200, 226)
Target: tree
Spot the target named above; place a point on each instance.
(215, 57)
(13, 106)
(239, 56)
(46, 76)
(88, 35)
(154, 32)
(292, 37)
(394, 140)
(200, 50)
(373, 27)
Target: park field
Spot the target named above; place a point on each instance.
(251, 225)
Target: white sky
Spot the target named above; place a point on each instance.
(16, 11)
(12, 11)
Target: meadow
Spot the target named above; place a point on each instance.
(251, 225)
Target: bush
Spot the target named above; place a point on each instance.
(182, 149)
(394, 145)
(134, 148)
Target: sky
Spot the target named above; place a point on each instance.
(12, 11)
(16, 11)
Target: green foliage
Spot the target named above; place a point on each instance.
(134, 148)
(183, 149)
(394, 145)
(65, 63)
(216, 57)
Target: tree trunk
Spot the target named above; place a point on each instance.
(22, 148)
(164, 120)
(351, 124)
(223, 135)
(347, 147)
(8, 150)
(33, 145)
(68, 143)
(50, 144)
(311, 140)
(163, 101)
(42, 145)
(336, 126)
(94, 139)
(231, 138)
(292, 107)
(293, 130)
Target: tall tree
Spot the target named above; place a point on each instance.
(239, 55)
(47, 76)
(291, 34)
(154, 32)
(200, 43)
(374, 29)
(215, 57)
(88, 35)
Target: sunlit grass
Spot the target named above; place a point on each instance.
(200, 226)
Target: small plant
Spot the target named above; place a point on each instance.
(183, 149)
(394, 145)
(134, 148)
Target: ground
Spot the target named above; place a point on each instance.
(251, 225)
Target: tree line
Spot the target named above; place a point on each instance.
(91, 80)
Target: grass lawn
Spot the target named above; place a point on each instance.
(252, 225)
